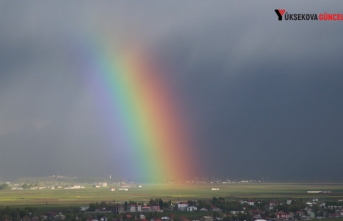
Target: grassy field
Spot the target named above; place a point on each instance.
(175, 192)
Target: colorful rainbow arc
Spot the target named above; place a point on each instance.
(151, 122)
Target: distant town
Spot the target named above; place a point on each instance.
(215, 209)
(127, 206)
(65, 182)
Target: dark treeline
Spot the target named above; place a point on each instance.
(8, 213)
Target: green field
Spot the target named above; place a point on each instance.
(175, 192)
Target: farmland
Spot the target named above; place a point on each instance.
(173, 192)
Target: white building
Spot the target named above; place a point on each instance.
(236, 212)
(134, 208)
(182, 206)
(192, 208)
(251, 203)
(123, 189)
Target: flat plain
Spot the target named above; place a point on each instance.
(173, 192)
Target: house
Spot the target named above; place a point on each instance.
(59, 217)
(182, 206)
(299, 213)
(183, 218)
(236, 212)
(311, 214)
(84, 208)
(284, 215)
(146, 209)
(289, 201)
(100, 209)
(255, 212)
(118, 209)
(203, 210)
(206, 218)
(251, 203)
(272, 204)
(122, 189)
(309, 203)
(134, 208)
(51, 215)
(215, 209)
(242, 201)
(192, 208)
(155, 208)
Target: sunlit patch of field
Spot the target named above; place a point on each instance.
(173, 192)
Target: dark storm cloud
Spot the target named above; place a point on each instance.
(264, 96)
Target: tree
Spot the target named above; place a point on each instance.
(25, 186)
(4, 186)
(160, 202)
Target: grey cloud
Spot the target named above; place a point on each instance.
(259, 92)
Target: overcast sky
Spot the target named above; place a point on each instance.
(264, 97)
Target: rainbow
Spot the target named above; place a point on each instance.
(144, 117)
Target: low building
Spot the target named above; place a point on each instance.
(84, 208)
(192, 208)
(134, 208)
(59, 217)
(155, 208)
(272, 204)
(123, 189)
(182, 206)
(311, 214)
(146, 209)
(215, 209)
(237, 212)
(118, 209)
(251, 203)
(206, 218)
(284, 215)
